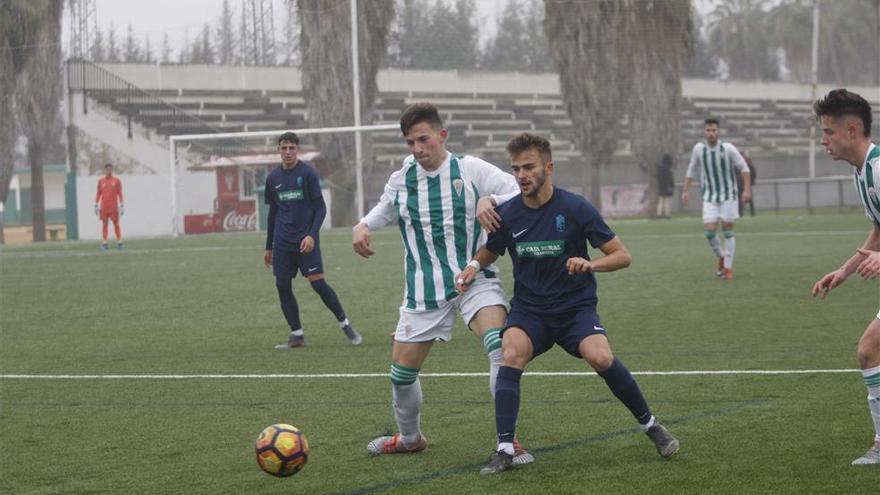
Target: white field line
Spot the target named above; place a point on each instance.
(434, 375)
(64, 253)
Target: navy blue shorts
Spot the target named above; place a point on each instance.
(566, 329)
(285, 264)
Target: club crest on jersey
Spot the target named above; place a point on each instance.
(299, 181)
(458, 185)
(560, 223)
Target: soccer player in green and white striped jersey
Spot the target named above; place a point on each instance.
(434, 197)
(846, 135)
(716, 163)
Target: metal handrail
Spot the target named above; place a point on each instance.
(96, 82)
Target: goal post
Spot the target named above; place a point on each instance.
(239, 162)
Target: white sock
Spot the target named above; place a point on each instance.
(872, 382)
(715, 244)
(729, 248)
(407, 409)
(651, 422)
(344, 323)
(506, 447)
(298, 333)
(495, 360)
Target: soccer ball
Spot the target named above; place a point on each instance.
(282, 450)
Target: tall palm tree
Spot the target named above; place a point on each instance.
(585, 39)
(844, 32)
(658, 33)
(325, 41)
(738, 34)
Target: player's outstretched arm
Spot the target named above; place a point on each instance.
(360, 240)
(684, 191)
(616, 257)
(489, 219)
(869, 267)
(866, 255)
(483, 257)
(828, 282)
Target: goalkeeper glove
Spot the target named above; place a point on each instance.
(121, 209)
(96, 209)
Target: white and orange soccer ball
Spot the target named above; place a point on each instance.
(282, 450)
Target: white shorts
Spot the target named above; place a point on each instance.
(726, 211)
(878, 315)
(427, 325)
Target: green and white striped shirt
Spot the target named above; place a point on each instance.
(867, 181)
(717, 168)
(436, 213)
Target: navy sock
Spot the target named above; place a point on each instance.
(625, 388)
(288, 302)
(507, 402)
(329, 297)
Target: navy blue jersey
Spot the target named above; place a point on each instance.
(296, 206)
(540, 241)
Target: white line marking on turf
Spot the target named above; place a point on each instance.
(436, 375)
(11, 253)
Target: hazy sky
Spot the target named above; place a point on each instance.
(181, 18)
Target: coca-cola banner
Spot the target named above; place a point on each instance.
(231, 213)
(239, 221)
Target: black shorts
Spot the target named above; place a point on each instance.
(285, 264)
(566, 329)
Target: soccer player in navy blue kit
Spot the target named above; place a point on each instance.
(296, 212)
(546, 229)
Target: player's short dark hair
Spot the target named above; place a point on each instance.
(711, 120)
(527, 141)
(289, 136)
(110, 165)
(418, 113)
(840, 102)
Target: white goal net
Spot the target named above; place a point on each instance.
(217, 179)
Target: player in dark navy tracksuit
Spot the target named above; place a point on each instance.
(546, 229)
(296, 212)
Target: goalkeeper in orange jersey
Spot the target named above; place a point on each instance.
(108, 204)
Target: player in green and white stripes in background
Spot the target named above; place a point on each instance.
(434, 197)
(846, 135)
(716, 162)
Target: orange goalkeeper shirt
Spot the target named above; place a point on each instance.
(109, 190)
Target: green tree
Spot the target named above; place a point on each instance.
(507, 50)
(96, 52)
(698, 59)
(519, 42)
(39, 95)
(165, 50)
(326, 78)
(591, 54)
(738, 34)
(20, 23)
(131, 51)
(446, 38)
(844, 28)
(537, 52)
(226, 42)
(657, 33)
(112, 47)
(147, 55)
